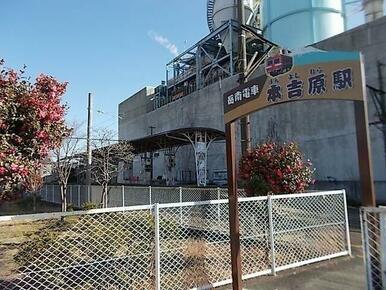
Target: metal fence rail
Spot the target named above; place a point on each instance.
(170, 245)
(78, 195)
(373, 223)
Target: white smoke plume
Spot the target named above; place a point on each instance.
(163, 41)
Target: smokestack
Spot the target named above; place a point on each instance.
(373, 9)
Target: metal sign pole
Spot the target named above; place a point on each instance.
(233, 205)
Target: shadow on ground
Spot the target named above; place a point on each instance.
(346, 273)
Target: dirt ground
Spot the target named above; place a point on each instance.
(26, 207)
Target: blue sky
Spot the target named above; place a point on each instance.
(110, 48)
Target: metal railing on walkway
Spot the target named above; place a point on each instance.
(172, 245)
(123, 195)
(373, 224)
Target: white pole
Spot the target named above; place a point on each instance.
(180, 204)
(366, 251)
(157, 248)
(123, 195)
(149, 195)
(346, 222)
(218, 205)
(271, 235)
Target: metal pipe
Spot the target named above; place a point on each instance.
(242, 44)
(245, 123)
(157, 248)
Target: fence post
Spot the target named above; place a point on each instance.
(78, 196)
(346, 222)
(366, 250)
(123, 195)
(157, 254)
(70, 193)
(150, 195)
(271, 235)
(180, 204)
(88, 193)
(218, 205)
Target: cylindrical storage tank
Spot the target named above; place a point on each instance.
(373, 9)
(221, 11)
(295, 24)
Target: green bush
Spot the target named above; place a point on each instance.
(89, 205)
(70, 207)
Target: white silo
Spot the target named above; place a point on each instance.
(221, 11)
(295, 24)
(373, 9)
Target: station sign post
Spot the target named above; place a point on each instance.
(315, 75)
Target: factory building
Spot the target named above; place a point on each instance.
(178, 127)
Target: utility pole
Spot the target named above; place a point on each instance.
(89, 153)
(245, 123)
(151, 157)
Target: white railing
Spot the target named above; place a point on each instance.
(373, 225)
(170, 246)
(119, 196)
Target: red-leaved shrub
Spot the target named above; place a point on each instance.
(273, 168)
(31, 125)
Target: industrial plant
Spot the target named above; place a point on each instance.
(177, 127)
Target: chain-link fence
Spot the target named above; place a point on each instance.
(169, 246)
(373, 222)
(99, 249)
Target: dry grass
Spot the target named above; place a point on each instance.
(25, 207)
(12, 235)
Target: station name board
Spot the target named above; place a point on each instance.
(310, 76)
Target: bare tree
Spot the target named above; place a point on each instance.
(33, 183)
(107, 154)
(66, 158)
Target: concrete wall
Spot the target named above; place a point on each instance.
(133, 107)
(203, 108)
